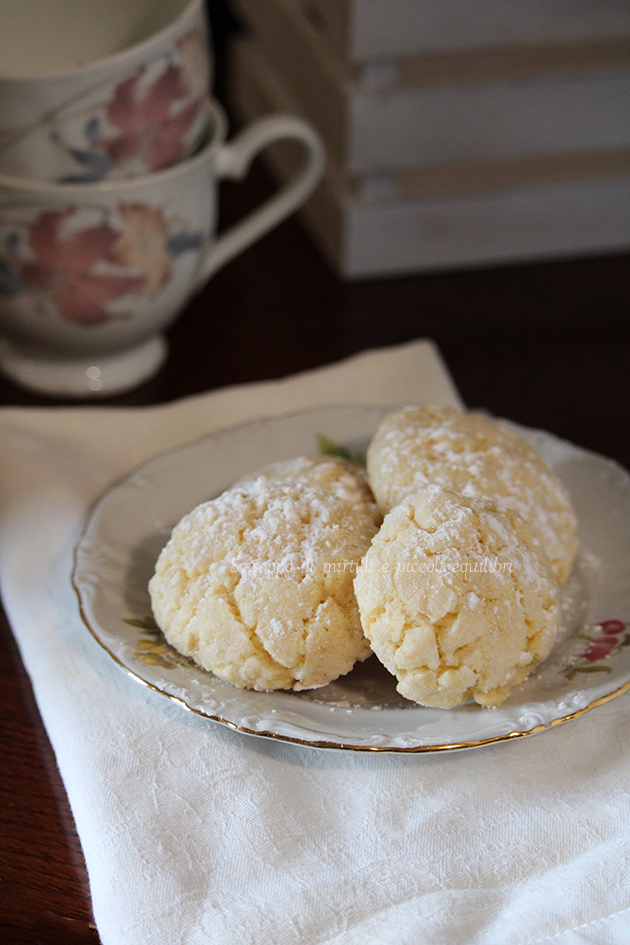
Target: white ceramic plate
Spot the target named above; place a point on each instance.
(361, 711)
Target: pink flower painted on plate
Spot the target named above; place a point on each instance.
(609, 636)
(152, 123)
(63, 267)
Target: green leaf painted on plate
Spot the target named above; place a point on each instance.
(154, 650)
(570, 673)
(329, 447)
(144, 623)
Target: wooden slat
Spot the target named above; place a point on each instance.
(516, 61)
(367, 30)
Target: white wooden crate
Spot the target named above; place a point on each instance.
(586, 214)
(504, 107)
(363, 30)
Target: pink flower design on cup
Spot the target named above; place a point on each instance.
(64, 268)
(152, 122)
(195, 70)
(78, 266)
(125, 120)
(143, 246)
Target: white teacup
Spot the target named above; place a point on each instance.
(92, 90)
(92, 274)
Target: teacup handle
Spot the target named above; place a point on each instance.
(233, 162)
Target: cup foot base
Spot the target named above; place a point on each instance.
(83, 377)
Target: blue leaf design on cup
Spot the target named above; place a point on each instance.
(183, 242)
(11, 282)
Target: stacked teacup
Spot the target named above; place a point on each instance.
(111, 150)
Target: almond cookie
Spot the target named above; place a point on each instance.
(256, 585)
(457, 599)
(476, 456)
(336, 476)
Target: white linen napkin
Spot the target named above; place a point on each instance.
(198, 835)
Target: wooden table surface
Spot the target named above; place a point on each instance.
(543, 344)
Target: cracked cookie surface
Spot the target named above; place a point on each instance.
(475, 456)
(457, 598)
(339, 477)
(256, 585)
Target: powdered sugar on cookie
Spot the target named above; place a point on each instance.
(475, 456)
(457, 599)
(244, 585)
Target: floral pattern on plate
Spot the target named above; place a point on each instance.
(606, 639)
